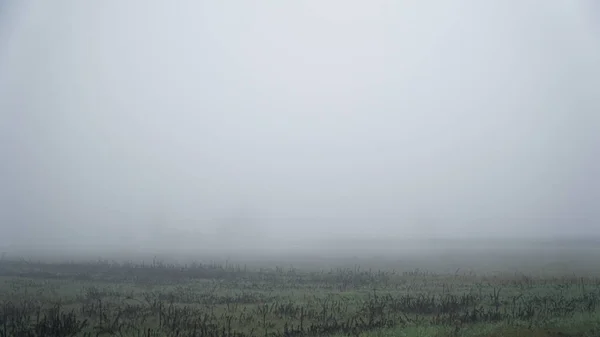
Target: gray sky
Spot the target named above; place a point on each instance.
(303, 118)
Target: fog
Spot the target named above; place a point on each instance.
(153, 125)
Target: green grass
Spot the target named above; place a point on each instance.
(124, 299)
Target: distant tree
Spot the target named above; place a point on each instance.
(240, 228)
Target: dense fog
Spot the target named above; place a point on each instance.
(174, 126)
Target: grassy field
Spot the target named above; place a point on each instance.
(322, 298)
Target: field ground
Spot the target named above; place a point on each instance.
(337, 297)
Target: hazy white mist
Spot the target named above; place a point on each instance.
(174, 124)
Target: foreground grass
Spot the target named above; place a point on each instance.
(579, 325)
(125, 299)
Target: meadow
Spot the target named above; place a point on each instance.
(304, 297)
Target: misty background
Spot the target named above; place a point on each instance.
(147, 125)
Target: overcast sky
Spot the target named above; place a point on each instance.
(317, 117)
